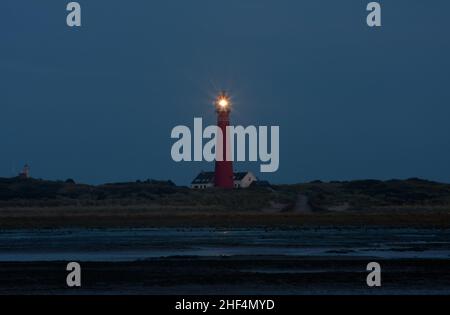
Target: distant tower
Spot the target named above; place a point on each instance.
(25, 172)
(224, 169)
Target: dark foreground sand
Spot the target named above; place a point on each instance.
(31, 218)
(232, 275)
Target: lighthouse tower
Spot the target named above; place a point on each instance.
(224, 167)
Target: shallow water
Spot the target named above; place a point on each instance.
(138, 244)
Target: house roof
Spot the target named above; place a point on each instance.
(240, 175)
(204, 178)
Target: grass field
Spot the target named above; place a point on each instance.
(141, 217)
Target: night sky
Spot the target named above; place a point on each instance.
(98, 103)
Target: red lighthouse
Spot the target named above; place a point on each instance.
(224, 167)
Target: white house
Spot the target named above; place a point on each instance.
(205, 180)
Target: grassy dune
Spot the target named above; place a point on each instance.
(55, 204)
(139, 218)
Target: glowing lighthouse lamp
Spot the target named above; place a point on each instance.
(223, 103)
(224, 177)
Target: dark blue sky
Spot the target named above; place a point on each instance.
(98, 103)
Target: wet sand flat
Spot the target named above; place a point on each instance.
(226, 261)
